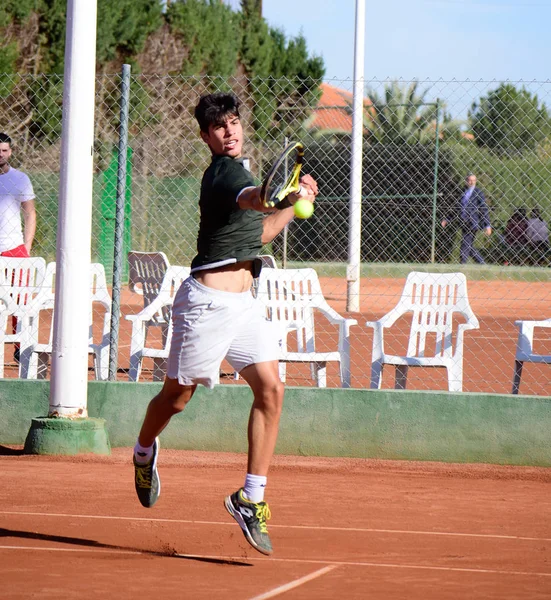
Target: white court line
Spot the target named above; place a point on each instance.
(306, 527)
(294, 584)
(86, 550)
(241, 559)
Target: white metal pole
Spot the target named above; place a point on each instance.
(355, 220)
(69, 380)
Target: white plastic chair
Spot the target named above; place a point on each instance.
(146, 271)
(525, 349)
(268, 262)
(7, 308)
(21, 280)
(433, 299)
(162, 303)
(34, 362)
(291, 297)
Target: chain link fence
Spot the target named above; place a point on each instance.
(421, 140)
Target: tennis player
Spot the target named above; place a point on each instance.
(215, 316)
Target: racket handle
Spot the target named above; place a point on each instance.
(283, 204)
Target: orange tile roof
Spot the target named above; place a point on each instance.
(334, 110)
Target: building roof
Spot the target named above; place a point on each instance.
(334, 110)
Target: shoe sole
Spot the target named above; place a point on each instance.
(235, 514)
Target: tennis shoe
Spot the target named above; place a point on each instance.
(252, 518)
(146, 478)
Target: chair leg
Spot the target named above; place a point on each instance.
(401, 377)
(42, 361)
(455, 377)
(160, 366)
(344, 369)
(517, 376)
(320, 369)
(376, 374)
(135, 369)
(101, 363)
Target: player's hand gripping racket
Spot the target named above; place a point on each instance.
(283, 178)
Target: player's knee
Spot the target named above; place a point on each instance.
(270, 398)
(175, 397)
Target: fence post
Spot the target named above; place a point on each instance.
(355, 219)
(119, 224)
(435, 184)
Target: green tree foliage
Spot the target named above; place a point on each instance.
(46, 99)
(402, 116)
(218, 42)
(18, 10)
(210, 30)
(285, 89)
(11, 11)
(52, 35)
(257, 44)
(123, 27)
(509, 120)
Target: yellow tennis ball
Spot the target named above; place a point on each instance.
(304, 209)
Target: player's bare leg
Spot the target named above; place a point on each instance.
(268, 391)
(252, 514)
(171, 400)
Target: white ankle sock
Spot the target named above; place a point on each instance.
(254, 487)
(143, 454)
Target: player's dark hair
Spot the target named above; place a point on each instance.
(5, 139)
(214, 109)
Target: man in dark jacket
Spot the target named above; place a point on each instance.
(473, 216)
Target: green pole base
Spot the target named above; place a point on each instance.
(67, 436)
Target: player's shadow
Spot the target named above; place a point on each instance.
(7, 451)
(61, 539)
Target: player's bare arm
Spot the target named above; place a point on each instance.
(29, 217)
(275, 222)
(250, 198)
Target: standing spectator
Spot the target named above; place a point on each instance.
(16, 197)
(537, 234)
(473, 216)
(516, 236)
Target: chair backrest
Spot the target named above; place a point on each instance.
(290, 297)
(98, 283)
(99, 293)
(173, 279)
(22, 279)
(146, 271)
(268, 261)
(433, 298)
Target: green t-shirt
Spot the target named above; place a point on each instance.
(227, 233)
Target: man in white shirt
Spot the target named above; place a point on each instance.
(16, 197)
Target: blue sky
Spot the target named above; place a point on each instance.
(430, 40)
(475, 39)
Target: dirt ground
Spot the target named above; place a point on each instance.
(72, 528)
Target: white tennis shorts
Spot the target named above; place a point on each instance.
(210, 325)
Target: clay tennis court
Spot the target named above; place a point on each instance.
(342, 528)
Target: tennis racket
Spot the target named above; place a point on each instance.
(283, 178)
